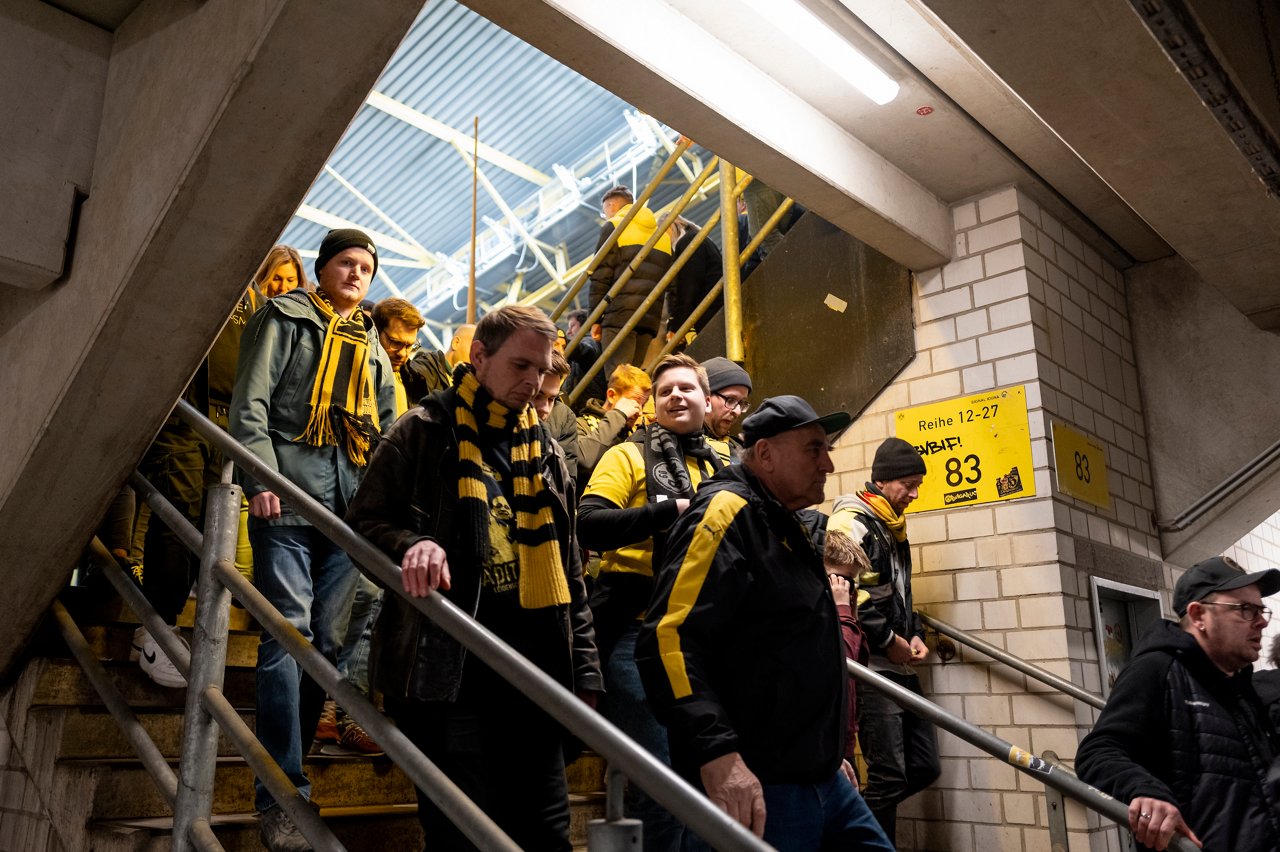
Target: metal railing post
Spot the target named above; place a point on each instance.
(1000, 655)
(641, 200)
(1021, 760)
(1056, 808)
(733, 347)
(709, 299)
(208, 660)
(615, 833)
(654, 777)
(621, 281)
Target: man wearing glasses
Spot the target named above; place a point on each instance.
(730, 395)
(1184, 738)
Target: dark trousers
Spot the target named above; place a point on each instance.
(504, 753)
(900, 748)
(176, 465)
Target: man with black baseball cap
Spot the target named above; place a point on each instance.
(1184, 738)
(740, 651)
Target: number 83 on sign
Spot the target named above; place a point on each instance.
(1081, 465)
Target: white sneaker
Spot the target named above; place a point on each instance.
(155, 662)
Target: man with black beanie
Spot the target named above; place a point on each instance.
(313, 393)
(901, 749)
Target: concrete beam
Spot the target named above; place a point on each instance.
(654, 57)
(217, 117)
(1210, 384)
(55, 71)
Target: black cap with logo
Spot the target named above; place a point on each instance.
(1219, 574)
(779, 414)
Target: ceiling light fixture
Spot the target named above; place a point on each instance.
(797, 22)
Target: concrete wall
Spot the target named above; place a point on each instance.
(24, 819)
(1024, 301)
(216, 117)
(1211, 388)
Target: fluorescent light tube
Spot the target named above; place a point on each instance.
(809, 31)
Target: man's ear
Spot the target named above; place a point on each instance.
(478, 353)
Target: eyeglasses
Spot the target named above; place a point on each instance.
(401, 345)
(739, 405)
(1248, 612)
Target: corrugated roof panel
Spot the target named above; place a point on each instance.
(452, 66)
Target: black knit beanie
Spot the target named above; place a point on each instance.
(896, 459)
(340, 239)
(723, 373)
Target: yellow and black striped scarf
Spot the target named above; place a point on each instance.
(342, 398)
(896, 523)
(542, 580)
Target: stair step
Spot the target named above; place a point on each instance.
(63, 684)
(115, 641)
(372, 828)
(348, 781)
(360, 829)
(93, 735)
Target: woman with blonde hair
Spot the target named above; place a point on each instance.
(280, 272)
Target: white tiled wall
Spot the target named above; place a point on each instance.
(1024, 301)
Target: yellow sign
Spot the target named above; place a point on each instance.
(976, 449)
(1082, 466)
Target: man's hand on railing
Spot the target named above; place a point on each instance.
(597, 332)
(734, 788)
(424, 569)
(265, 505)
(1154, 822)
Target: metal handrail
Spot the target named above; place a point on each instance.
(636, 206)
(999, 654)
(643, 308)
(286, 796)
(657, 779)
(1213, 497)
(708, 300)
(1020, 759)
(634, 264)
(426, 775)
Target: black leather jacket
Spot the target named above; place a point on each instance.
(409, 493)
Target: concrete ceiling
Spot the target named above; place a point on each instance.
(1073, 100)
(107, 14)
(1094, 73)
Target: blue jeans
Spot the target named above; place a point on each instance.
(312, 582)
(624, 704)
(826, 817)
(353, 658)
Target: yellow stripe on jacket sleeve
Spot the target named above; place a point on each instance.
(694, 568)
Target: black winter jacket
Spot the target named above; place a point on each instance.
(409, 494)
(639, 285)
(1176, 728)
(740, 648)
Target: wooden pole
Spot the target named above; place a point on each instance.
(475, 166)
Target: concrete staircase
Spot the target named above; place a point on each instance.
(100, 798)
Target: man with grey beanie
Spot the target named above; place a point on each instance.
(730, 401)
(901, 749)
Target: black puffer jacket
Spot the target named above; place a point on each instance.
(1176, 728)
(639, 285)
(409, 494)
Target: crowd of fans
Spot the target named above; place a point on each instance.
(655, 551)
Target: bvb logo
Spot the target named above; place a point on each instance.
(665, 479)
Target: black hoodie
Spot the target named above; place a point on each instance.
(1178, 729)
